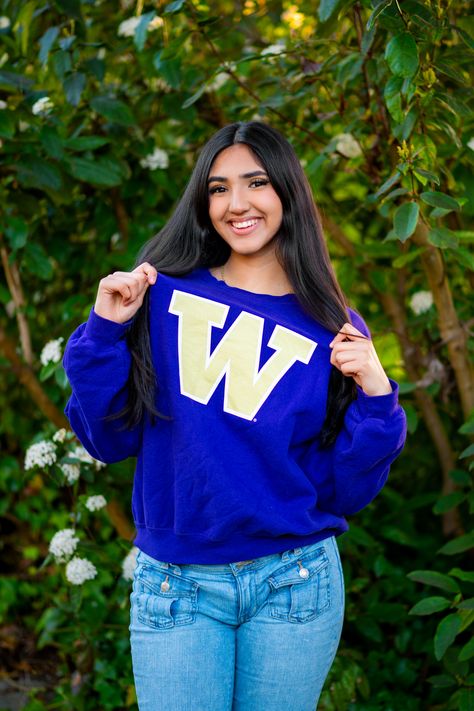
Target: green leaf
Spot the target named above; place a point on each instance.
(375, 13)
(73, 87)
(446, 634)
(36, 172)
(430, 605)
(36, 261)
(22, 24)
(437, 580)
(442, 680)
(426, 174)
(467, 427)
(327, 8)
(51, 142)
(463, 575)
(443, 238)
(466, 699)
(467, 604)
(113, 110)
(103, 172)
(192, 99)
(458, 545)
(17, 232)
(437, 199)
(141, 30)
(173, 7)
(7, 124)
(405, 219)
(467, 651)
(47, 370)
(46, 42)
(85, 143)
(393, 98)
(389, 183)
(467, 452)
(401, 54)
(448, 502)
(72, 8)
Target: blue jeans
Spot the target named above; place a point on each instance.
(257, 635)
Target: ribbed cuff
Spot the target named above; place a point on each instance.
(103, 329)
(378, 405)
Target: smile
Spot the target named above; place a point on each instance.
(244, 226)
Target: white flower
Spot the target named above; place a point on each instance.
(218, 81)
(71, 472)
(157, 159)
(4, 22)
(347, 145)
(127, 27)
(273, 49)
(51, 352)
(40, 454)
(78, 570)
(23, 126)
(3, 105)
(101, 53)
(83, 455)
(63, 544)
(129, 563)
(155, 23)
(470, 144)
(421, 301)
(94, 503)
(159, 84)
(43, 106)
(59, 435)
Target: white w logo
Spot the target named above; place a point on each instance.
(236, 357)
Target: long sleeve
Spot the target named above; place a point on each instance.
(97, 363)
(372, 437)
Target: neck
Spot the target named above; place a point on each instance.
(264, 275)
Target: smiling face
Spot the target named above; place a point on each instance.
(243, 206)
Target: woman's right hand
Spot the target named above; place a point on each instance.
(121, 294)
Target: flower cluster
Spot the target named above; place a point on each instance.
(51, 352)
(71, 472)
(273, 49)
(421, 302)
(127, 27)
(94, 503)
(3, 105)
(347, 145)
(41, 454)
(157, 159)
(78, 570)
(4, 22)
(43, 106)
(129, 563)
(63, 544)
(78, 452)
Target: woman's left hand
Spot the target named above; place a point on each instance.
(354, 355)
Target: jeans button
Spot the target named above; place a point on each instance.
(304, 573)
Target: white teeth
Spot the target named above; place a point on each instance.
(247, 223)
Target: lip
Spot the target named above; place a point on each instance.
(244, 230)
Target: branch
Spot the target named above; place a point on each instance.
(12, 275)
(451, 330)
(412, 361)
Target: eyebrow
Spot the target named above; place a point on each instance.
(221, 179)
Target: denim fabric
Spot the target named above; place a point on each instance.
(256, 635)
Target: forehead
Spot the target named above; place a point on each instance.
(236, 159)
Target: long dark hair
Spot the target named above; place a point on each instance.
(189, 240)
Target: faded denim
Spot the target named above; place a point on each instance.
(257, 635)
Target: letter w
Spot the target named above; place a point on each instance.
(236, 357)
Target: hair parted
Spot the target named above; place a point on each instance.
(189, 240)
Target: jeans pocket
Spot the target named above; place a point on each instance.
(163, 599)
(300, 590)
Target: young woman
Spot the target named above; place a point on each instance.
(229, 363)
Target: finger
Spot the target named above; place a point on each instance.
(148, 270)
(117, 284)
(137, 282)
(348, 332)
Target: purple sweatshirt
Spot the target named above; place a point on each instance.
(236, 471)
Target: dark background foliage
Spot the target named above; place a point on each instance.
(376, 98)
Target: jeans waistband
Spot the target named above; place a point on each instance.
(254, 563)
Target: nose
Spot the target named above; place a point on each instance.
(238, 203)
